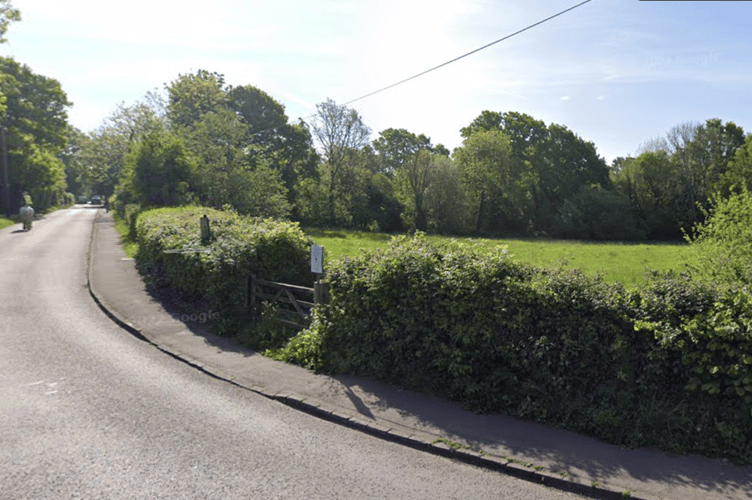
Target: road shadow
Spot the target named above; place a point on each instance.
(575, 454)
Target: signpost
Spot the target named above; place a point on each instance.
(320, 289)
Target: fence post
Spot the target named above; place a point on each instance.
(205, 229)
(320, 292)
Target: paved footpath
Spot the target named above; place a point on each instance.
(559, 458)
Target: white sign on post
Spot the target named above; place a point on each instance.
(317, 259)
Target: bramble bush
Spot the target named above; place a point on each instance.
(666, 365)
(171, 254)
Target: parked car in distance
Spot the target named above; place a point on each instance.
(96, 200)
(82, 200)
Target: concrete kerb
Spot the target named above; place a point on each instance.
(438, 447)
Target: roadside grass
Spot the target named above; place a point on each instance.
(130, 246)
(625, 263)
(6, 222)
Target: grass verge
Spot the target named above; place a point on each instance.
(130, 246)
(6, 222)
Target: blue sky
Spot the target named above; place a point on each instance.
(616, 72)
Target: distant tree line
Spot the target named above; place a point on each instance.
(218, 145)
(202, 141)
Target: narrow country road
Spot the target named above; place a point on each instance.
(90, 412)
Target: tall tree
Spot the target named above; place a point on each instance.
(415, 177)
(36, 124)
(445, 200)
(738, 175)
(263, 115)
(77, 175)
(105, 151)
(527, 137)
(549, 164)
(191, 96)
(159, 171)
(340, 131)
(700, 155)
(396, 146)
(284, 146)
(648, 183)
(484, 159)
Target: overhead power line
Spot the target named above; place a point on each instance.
(455, 59)
(468, 54)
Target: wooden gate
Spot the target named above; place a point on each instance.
(293, 303)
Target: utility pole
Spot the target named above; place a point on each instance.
(6, 184)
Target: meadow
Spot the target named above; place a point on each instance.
(614, 262)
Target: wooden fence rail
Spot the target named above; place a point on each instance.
(293, 303)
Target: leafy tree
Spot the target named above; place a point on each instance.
(340, 131)
(36, 122)
(647, 182)
(225, 173)
(445, 200)
(384, 207)
(396, 146)
(191, 96)
(738, 175)
(260, 193)
(442, 150)
(286, 147)
(714, 147)
(263, 115)
(527, 137)
(217, 141)
(104, 154)
(565, 164)
(352, 190)
(415, 177)
(8, 15)
(700, 155)
(485, 161)
(159, 172)
(77, 176)
(252, 129)
(294, 156)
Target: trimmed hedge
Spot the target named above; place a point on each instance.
(668, 365)
(172, 255)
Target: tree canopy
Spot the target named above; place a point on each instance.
(8, 15)
(36, 122)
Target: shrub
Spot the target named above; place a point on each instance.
(666, 365)
(722, 245)
(172, 254)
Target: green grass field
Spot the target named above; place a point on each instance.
(615, 262)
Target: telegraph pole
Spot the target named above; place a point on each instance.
(6, 184)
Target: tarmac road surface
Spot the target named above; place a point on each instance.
(89, 411)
